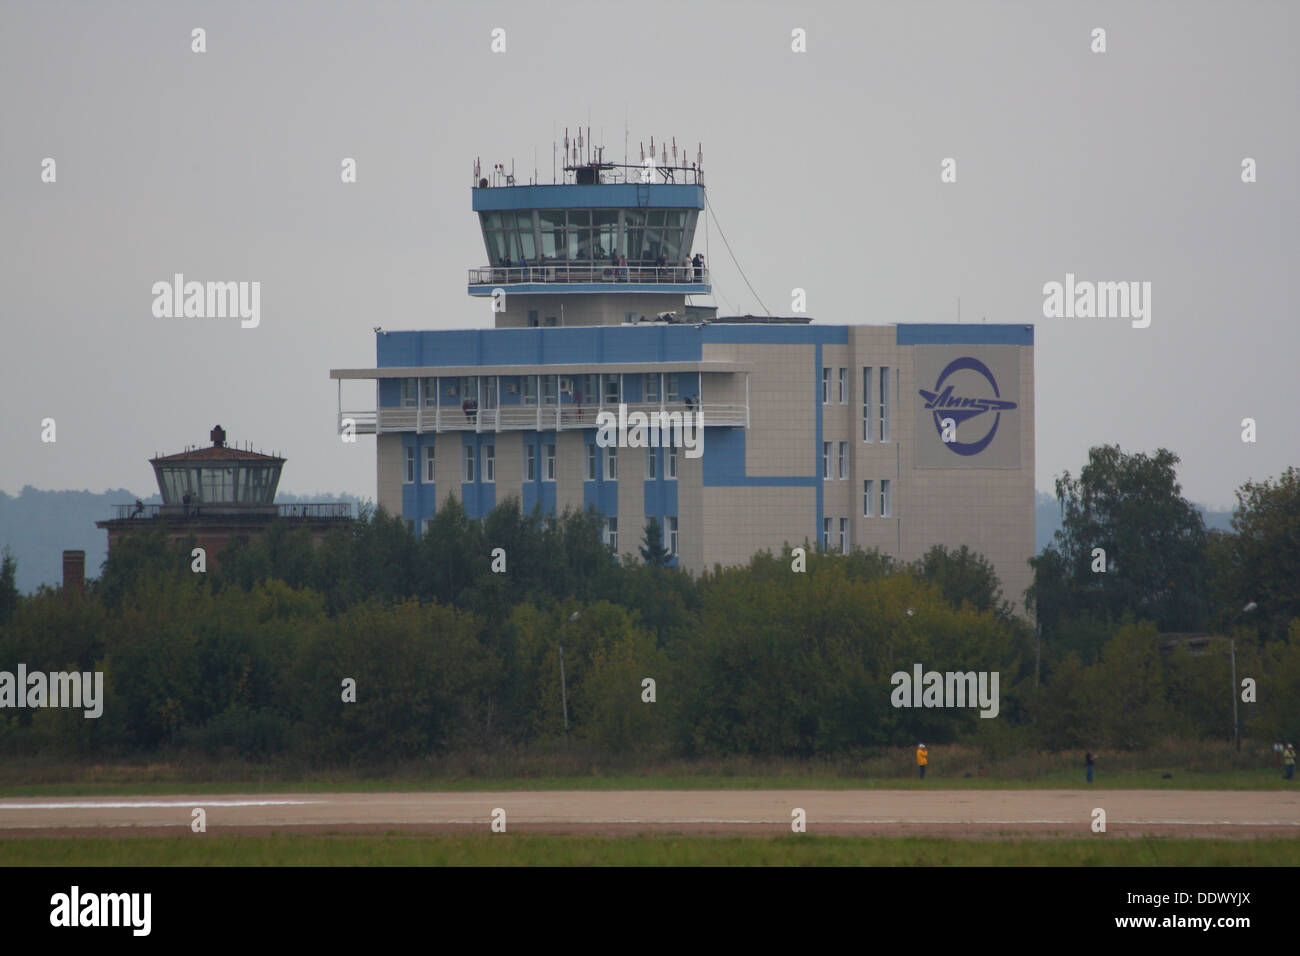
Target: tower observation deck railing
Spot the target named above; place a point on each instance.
(545, 417)
(234, 512)
(589, 270)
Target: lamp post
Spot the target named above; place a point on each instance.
(564, 693)
(1232, 650)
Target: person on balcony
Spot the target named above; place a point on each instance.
(139, 508)
(698, 262)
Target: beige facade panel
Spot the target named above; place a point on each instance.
(582, 311)
(782, 436)
(743, 521)
(389, 480)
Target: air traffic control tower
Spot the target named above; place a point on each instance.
(610, 245)
(829, 435)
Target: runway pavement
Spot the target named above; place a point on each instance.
(965, 813)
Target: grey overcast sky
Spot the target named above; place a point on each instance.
(822, 167)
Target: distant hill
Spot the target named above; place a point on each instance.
(38, 526)
(1047, 519)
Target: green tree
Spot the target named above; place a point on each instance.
(1131, 507)
(1260, 561)
(963, 575)
(8, 587)
(653, 551)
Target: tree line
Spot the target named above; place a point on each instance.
(448, 655)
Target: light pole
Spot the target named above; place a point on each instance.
(564, 692)
(1232, 650)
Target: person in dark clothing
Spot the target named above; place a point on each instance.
(139, 508)
(698, 261)
(1087, 763)
(185, 502)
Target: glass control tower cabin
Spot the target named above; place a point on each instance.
(811, 433)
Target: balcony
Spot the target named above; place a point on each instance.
(328, 510)
(559, 276)
(545, 417)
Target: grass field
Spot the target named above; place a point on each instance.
(1169, 765)
(145, 784)
(667, 850)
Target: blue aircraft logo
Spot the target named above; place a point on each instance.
(943, 403)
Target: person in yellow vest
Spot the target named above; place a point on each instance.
(922, 758)
(1288, 760)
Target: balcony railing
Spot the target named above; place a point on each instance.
(232, 512)
(594, 270)
(449, 418)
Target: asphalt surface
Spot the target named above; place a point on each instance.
(964, 813)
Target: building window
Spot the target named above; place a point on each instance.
(652, 388)
(548, 389)
(530, 462)
(428, 464)
(611, 463)
(651, 463)
(489, 462)
(430, 392)
(670, 522)
(591, 462)
(826, 534)
(826, 386)
(613, 392)
(844, 459)
(884, 403)
(425, 525)
(826, 461)
(532, 319)
(550, 321)
(844, 536)
(868, 499)
(408, 392)
(549, 451)
(672, 463)
(670, 387)
(469, 388)
(408, 472)
(866, 404)
(530, 390)
(885, 495)
(611, 534)
(410, 524)
(469, 463)
(844, 386)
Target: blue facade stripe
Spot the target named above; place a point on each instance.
(558, 346)
(959, 334)
(821, 487)
(564, 288)
(599, 196)
(724, 334)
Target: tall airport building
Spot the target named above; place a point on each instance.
(896, 437)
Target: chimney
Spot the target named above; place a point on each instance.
(74, 570)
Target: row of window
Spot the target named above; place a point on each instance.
(587, 233)
(871, 416)
(609, 534)
(608, 387)
(828, 535)
(610, 459)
